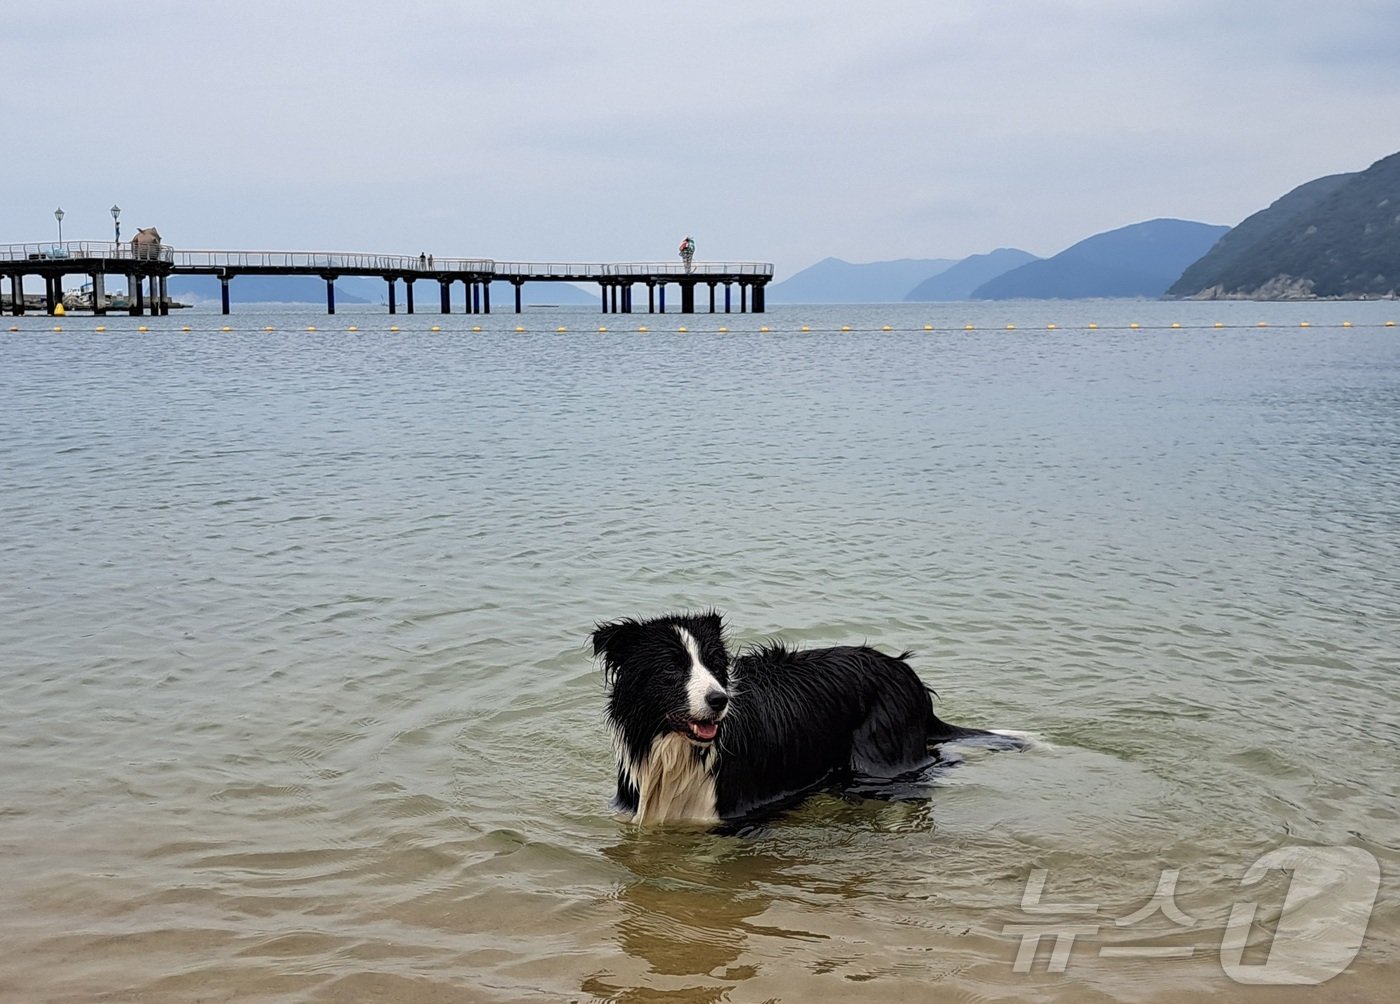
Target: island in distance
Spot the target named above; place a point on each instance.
(1334, 237)
(1138, 260)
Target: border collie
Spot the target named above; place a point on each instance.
(703, 738)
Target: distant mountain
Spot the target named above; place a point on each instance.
(1138, 260)
(832, 280)
(365, 289)
(1337, 236)
(958, 282)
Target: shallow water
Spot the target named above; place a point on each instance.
(297, 702)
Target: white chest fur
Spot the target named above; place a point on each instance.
(673, 784)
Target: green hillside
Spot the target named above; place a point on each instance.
(1337, 236)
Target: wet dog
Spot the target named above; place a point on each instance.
(700, 737)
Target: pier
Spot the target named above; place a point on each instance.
(713, 286)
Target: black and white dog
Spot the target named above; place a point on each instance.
(703, 738)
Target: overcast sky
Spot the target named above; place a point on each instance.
(606, 131)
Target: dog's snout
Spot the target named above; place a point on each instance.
(717, 701)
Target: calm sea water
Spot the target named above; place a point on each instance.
(297, 704)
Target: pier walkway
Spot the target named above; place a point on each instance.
(148, 267)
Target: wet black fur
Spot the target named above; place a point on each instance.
(798, 720)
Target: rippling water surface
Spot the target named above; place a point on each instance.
(297, 704)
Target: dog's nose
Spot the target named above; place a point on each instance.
(717, 700)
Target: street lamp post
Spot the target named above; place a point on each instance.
(58, 215)
(116, 223)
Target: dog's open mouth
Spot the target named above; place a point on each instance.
(703, 732)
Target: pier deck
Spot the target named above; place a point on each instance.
(151, 266)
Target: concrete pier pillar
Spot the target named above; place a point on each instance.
(758, 298)
(486, 297)
(408, 295)
(661, 296)
(445, 295)
(518, 287)
(330, 295)
(603, 295)
(743, 297)
(223, 294)
(49, 300)
(627, 298)
(712, 296)
(687, 297)
(727, 290)
(17, 295)
(651, 296)
(393, 307)
(134, 295)
(99, 294)
(163, 284)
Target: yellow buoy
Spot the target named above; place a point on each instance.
(805, 328)
(968, 327)
(268, 328)
(1262, 324)
(58, 327)
(58, 310)
(845, 327)
(14, 327)
(476, 327)
(435, 327)
(393, 327)
(602, 327)
(1346, 324)
(311, 327)
(1175, 324)
(682, 328)
(1304, 324)
(723, 329)
(928, 327)
(144, 328)
(1219, 324)
(1093, 327)
(1050, 327)
(517, 328)
(352, 328)
(226, 328)
(1011, 327)
(887, 328)
(1135, 325)
(764, 329)
(100, 327)
(643, 329)
(186, 328)
(561, 328)
(1390, 324)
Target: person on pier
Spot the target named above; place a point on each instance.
(688, 253)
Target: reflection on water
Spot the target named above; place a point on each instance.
(297, 703)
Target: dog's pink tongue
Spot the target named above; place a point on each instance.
(704, 730)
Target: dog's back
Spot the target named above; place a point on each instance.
(805, 718)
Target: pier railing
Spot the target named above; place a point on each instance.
(513, 269)
(327, 261)
(364, 263)
(86, 251)
(696, 268)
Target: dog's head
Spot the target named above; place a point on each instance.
(668, 674)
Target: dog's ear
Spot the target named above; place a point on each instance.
(613, 641)
(714, 620)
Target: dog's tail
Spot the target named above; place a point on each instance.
(994, 739)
